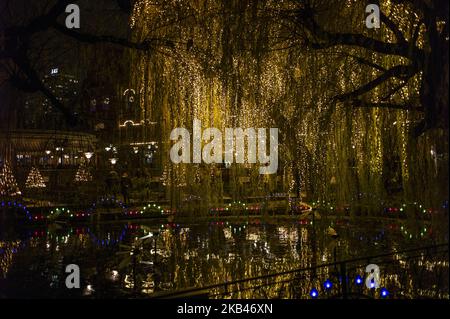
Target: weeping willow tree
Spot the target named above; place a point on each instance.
(362, 113)
(359, 122)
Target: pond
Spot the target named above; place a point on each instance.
(182, 255)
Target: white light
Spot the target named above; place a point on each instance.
(88, 155)
(113, 160)
(114, 275)
(48, 152)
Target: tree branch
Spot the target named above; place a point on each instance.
(386, 105)
(367, 62)
(45, 21)
(399, 71)
(318, 38)
(394, 28)
(95, 39)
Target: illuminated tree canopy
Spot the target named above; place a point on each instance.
(362, 113)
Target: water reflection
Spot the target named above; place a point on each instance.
(115, 263)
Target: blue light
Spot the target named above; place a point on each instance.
(314, 293)
(327, 284)
(384, 293)
(358, 280)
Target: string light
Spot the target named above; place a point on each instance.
(358, 280)
(35, 179)
(314, 293)
(384, 293)
(328, 285)
(8, 183)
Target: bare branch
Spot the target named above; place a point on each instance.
(399, 71)
(394, 28)
(386, 105)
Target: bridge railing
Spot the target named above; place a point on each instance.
(421, 272)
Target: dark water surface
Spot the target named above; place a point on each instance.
(33, 260)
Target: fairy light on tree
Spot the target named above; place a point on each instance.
(83, 174)
(8, 183)
(35, 179)
(283, 85)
